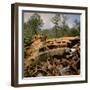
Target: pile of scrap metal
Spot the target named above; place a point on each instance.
(52, 57)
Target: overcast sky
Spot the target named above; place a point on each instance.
(46, 17)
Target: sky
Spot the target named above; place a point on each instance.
(47, 17)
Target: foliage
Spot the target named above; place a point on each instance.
(31, 27)
(35, 23)
(55, 20)
(27, 35)
(60, 29)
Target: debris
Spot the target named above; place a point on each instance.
(52, 57)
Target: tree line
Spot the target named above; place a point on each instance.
(60, 29)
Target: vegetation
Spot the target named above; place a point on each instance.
(57, 57)
(60, 28)
(56, 19)
(32, 27)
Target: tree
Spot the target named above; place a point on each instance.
(65, 30)
(64, 21)
(31, 27)
(55, 20)
(76, 28)
(35, 22)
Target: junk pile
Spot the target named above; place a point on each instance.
(52, 57)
